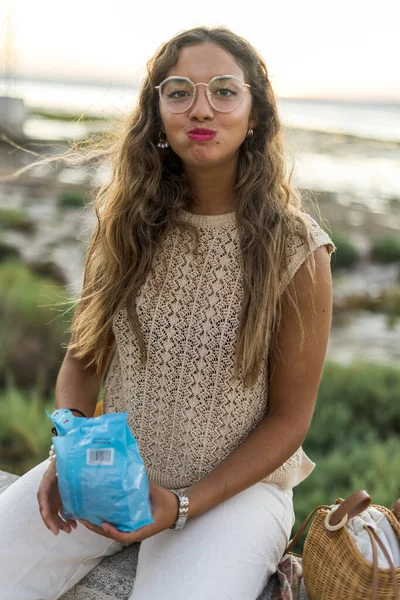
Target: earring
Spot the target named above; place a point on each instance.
(163, 143)
(249, 132)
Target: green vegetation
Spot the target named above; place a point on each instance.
(64, 116)
(25, 435)
(353, 437)
(23, 292)
(387, 302)
(32, 328)
(14, 218)
(71, 199)
(356, 404)
(386, 249)
(6, 252)
(346, 253)
(383, 250)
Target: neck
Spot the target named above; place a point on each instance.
(212, 189)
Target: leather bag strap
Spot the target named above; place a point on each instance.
(352, 506)
(375, 539)
(375, 571)
(302, 528)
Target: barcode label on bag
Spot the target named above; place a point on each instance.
(100, 456)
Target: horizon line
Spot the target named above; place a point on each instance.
(136, 84)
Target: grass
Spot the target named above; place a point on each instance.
(25, 430)
(24, 293)
(13, 218)
(33, 326)
(346, 253)
(71, 199)
(386, 249)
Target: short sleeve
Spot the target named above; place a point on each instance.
(297, 250)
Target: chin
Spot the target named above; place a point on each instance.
(203, 154)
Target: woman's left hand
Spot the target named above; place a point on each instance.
(164, 508)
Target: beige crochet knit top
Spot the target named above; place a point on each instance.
(186, 410)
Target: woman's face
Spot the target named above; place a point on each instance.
(200, 63)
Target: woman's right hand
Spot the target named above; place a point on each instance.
(50, 505)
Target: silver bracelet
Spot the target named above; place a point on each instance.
(183, 510)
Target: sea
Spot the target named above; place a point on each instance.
(364, 160)
(376, 120)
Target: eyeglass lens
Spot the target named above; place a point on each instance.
(224, 94)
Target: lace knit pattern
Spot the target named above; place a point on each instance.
(185, 408)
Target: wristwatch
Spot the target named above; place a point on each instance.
(183, 510)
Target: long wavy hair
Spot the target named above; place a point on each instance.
(145, 191)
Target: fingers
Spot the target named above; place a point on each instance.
(108, 530)
(72, 522)
(49, 502)
(53, 520)
(94, 528)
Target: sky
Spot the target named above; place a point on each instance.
(314, 48)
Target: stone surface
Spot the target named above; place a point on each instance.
(113, 578)
(6, 479)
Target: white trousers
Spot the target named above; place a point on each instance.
(228, 552)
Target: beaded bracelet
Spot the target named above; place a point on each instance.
(52, 453)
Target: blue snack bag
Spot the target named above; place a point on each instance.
(101, 475)
(63, 420)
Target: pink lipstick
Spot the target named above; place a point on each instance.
(201, 134)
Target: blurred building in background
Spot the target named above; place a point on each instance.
(12, 108)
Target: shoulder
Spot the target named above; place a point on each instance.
(297, 242)
(319, 236)
(309, 238)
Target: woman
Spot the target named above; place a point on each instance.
(216, 347)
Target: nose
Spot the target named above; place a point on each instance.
(201, 108)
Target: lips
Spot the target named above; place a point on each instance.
(201, 134)
(202, 131)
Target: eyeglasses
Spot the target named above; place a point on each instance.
(224, 93)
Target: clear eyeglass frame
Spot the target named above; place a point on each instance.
(208, 93)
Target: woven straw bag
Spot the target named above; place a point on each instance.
(333, 566)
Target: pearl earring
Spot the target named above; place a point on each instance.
(163, 143)
(249, 132)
